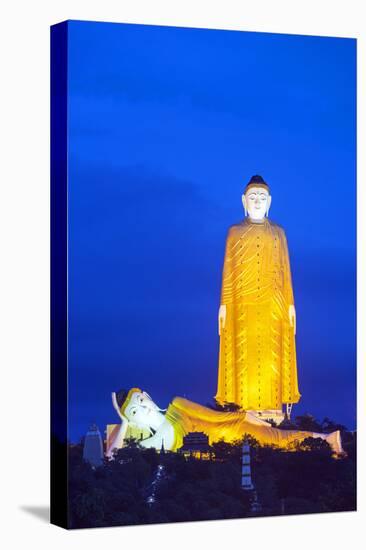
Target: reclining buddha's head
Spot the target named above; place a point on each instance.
(139, 409)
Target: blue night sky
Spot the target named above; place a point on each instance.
(166, 126)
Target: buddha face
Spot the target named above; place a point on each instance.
(142, 411)
(256, 202)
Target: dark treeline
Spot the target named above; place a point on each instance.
(128, 491)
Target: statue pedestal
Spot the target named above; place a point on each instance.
(274, 415)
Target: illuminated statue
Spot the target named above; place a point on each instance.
(136, 408)
(257, 320)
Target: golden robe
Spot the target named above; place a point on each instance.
(257, 360)
(187, 416)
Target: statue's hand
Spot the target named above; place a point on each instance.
(222, 317)
(292, 316)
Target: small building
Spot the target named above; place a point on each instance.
(195, 444)
(93, 447)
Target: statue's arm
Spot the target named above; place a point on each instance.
(117, 441)
(289, 295)
(226, 286)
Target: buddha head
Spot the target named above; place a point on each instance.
(137, 408)
(256, 199)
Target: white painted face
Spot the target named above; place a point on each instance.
(143, 412)
(257, 202)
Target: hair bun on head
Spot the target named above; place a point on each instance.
(256, 181)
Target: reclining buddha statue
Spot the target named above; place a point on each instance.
(167, 428)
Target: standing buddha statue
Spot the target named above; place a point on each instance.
(257, 318)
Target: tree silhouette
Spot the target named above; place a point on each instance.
(305, 478)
